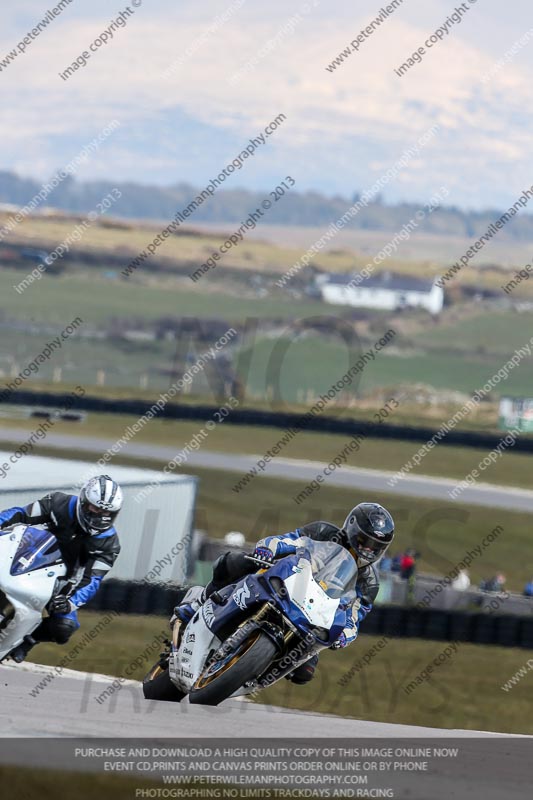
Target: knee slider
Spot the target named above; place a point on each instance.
(62, 629)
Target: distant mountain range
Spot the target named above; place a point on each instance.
(234, 205)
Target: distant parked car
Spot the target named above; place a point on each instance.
(31, 254)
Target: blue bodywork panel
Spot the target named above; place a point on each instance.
(255, 590)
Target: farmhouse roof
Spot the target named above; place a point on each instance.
(385, 280)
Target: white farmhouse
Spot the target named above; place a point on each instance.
(384, 291)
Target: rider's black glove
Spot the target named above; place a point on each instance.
(60, 605)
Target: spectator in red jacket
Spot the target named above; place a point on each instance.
(408, 564)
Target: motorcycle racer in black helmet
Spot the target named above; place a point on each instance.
(368, 530)
(366, 533)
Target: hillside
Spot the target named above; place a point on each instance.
(233, 205)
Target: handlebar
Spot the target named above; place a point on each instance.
(261, 561)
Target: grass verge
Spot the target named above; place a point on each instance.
(34, 784)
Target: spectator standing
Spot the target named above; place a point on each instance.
(462, 582)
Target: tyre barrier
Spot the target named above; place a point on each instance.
(272, 419)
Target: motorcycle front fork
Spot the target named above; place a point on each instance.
(177, 633)
(292, 642)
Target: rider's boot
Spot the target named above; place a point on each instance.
(20, 652)
(305, 672)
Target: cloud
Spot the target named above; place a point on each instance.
(348, 125)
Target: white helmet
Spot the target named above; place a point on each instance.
(98, 504)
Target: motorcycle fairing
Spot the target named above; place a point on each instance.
(311, 599)
(256, 589)
(27, 592)
(187, 662)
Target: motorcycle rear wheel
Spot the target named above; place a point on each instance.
(221, 679)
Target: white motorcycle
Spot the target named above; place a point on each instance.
(247, 636)
(31, 571)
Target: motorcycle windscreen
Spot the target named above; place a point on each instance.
(37, 549)
(334, 568)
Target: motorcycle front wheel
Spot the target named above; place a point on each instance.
(158, 686)
(223, 677)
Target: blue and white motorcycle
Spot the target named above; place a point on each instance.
(31, 571)
(251, 634)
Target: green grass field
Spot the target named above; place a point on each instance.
(296, 373)
(34, 784)
(458, 353)
(81, 359)
(316, 364)
(499, 332)
(465, 692)
(97, 299)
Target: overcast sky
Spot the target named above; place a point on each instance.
(344, 128)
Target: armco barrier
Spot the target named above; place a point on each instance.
(394, 621)
(272, 419)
